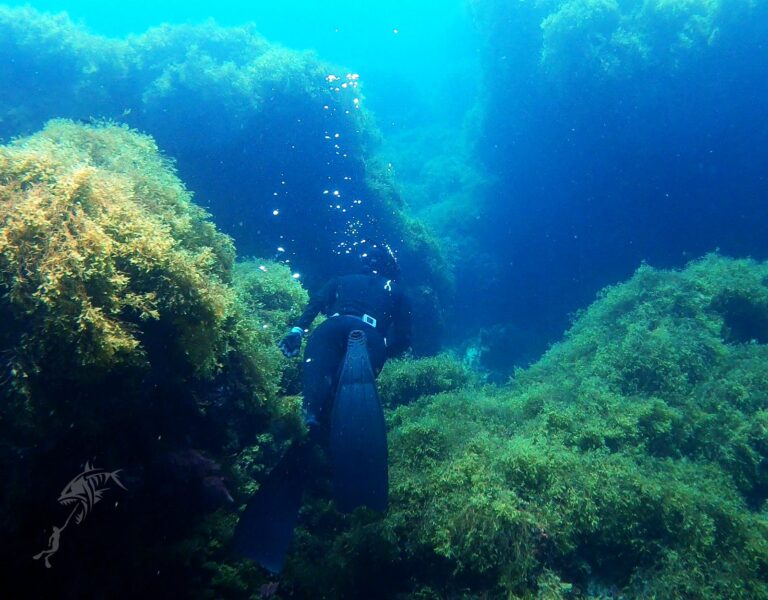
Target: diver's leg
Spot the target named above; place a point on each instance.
(265, 529)
(322, 357)
(358, 435)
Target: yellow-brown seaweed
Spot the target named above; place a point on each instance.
(98, 238)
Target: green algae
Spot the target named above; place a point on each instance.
(404, 380)
(629, 458)
(130, 332)
(99, 239)
(205, 90)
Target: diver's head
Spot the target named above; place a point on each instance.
(380, 260)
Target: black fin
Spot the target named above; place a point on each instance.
(358, 434)
(265, 529)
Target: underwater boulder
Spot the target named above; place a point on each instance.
(100, 242)
(127, 335)
(628, 461)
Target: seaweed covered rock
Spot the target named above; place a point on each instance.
(270, 293)
(277, 141)
(273, 298)
(404, 380)
(581, 38)
(597, 43)
(630, 460)
(101, 241)
(52, 71)
(128, 333)
(582, 100)
(109, 273)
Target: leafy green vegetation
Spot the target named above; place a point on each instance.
(128, 329)
(404, 380)
(630, 458)
(100, 238)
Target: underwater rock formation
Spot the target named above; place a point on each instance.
(128, 333)
(628, 462)
(614, 131)
(277, 142)
(100, 238)
(274, 299)
(404, 380)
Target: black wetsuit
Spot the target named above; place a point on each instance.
(376, 306)
(369, 302)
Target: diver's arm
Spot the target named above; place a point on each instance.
(318, 302)
(290, 345)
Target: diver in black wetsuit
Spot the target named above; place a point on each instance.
(370, 301)
(369, 320)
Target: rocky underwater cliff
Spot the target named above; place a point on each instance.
(139, 336)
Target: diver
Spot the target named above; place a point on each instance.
(53, 545)
(369, 320)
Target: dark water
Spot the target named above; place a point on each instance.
(517, 156)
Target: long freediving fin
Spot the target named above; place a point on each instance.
(358, 433)
(265, 529)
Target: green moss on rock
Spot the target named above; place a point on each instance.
(404, 380)
(629, 458)
(99, 239)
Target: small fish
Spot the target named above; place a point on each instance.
(87, 489)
